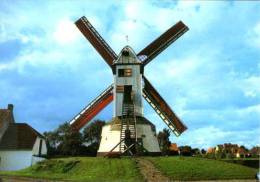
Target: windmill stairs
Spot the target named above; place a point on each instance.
(128, 133)
(129, 143)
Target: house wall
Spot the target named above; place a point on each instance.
(3, 127)
(36, 147)
(36, 159)
(15, 160)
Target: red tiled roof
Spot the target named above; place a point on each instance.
(19, 136)
(173, 147)
(210, 150)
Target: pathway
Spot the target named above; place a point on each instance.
(149, 171)
(24, 179)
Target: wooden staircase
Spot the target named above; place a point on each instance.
(128, 124)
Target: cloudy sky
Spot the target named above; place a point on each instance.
(210, 76)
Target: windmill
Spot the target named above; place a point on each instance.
(129, 132)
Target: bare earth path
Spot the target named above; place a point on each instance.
(24, 179)
(150, 173)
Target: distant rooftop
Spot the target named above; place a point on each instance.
(19, 136)
(13, 135)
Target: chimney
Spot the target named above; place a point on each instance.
(10, 107)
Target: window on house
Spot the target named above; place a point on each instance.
(125, 72)
(40, 148)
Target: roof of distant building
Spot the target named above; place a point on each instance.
(173, 147)
(19, 136)
(210, 150)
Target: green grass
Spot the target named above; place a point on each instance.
(103, 169)
(191, 168)
(83, 169)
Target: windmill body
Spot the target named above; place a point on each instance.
(127, 82)
(129, 132)
(128, 110)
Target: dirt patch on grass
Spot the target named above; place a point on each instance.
(25, 179)
(149, 171)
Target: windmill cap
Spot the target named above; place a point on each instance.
(127, 55)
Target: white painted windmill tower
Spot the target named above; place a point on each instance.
(129, 132)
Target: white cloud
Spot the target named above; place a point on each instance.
(253, 36)
(35, 59)
(250, 86)
(178, 69)
(210, 136)
(134, 31)
(66, 32)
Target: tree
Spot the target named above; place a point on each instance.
(185, 150)
(67, 141)
(195, 151)
(92, 133)
(70, 140)
(92, 136)
(242, 151)
(51, 142)
(164, 141)
(64, 141)
(203, 151)
(255, 151)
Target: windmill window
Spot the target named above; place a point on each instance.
(121, 72)
(125, 72)
(128, 72)
(125, 53)
(120, 88)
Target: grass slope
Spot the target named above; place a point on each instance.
(190, 168)
(83, 169)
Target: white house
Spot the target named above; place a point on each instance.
(20, 144)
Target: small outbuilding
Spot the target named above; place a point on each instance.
(20, 144)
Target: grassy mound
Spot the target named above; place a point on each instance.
(83, 169)
(125, 169)
(190, 168)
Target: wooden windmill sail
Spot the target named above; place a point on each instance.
(128, 57)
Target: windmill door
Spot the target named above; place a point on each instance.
(127, 94)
